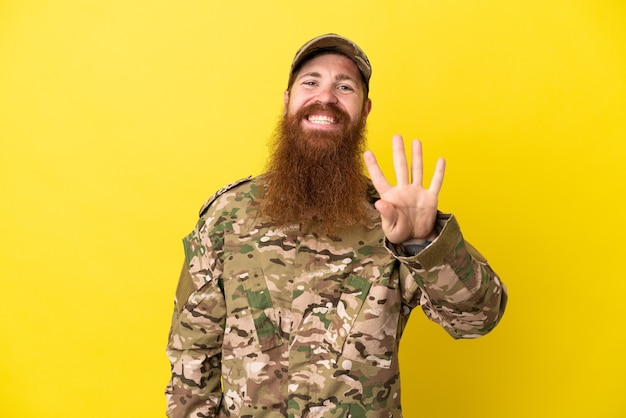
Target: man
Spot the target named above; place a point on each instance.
(297, 284)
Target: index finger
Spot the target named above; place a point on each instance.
(376, 174)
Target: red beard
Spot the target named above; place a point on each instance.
(315, 177)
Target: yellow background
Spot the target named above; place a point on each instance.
(118, 118)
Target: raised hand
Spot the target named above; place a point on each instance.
(408, 211)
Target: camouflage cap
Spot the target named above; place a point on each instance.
(332, 43)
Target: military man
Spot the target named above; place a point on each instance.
(297, 284)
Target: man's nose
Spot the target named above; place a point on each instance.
(327, 95)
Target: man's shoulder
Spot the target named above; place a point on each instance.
(243, 185)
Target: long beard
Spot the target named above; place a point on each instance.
(315, 178)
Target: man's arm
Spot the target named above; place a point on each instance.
(194, 349)
(452, 282)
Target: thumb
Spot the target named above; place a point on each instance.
(388, 212)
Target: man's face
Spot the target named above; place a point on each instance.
(325, 82)
(315, 174)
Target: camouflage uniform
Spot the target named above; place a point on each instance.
(274, 322)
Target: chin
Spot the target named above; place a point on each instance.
(319, 141)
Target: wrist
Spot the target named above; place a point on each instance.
(421, 241)
(412, 249)
(416, 245)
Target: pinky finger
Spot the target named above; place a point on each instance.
(437, 180)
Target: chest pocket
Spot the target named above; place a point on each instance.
(372, 338)
(251, 324)
(363, 323)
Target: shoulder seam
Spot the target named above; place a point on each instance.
(220, 192)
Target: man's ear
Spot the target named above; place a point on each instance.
(285, 101)
(367, 107)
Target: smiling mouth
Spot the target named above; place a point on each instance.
(322, 120)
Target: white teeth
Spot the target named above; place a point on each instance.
(322, 120)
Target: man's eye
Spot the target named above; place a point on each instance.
(309, 83)
(344, 87)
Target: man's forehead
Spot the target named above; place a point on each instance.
(315, 64)
(331, 42)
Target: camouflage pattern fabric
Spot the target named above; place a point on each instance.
(274, 322)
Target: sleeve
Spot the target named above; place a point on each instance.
(452, 282)
(195, 339)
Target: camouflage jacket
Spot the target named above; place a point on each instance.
(273, 322)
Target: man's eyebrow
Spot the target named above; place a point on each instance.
(338, 77)
(342, 77)
(310, 74)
